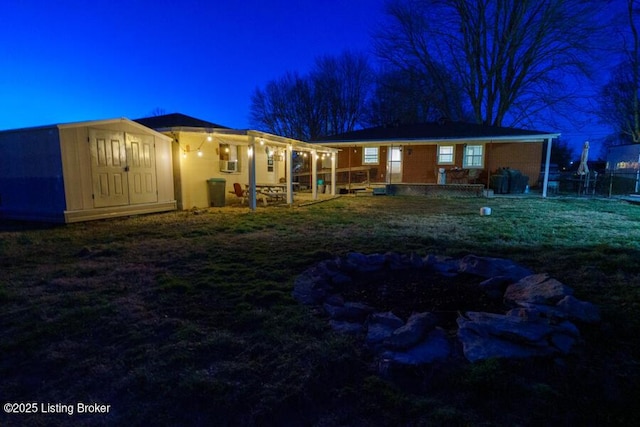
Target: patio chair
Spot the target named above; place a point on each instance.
(239, 192)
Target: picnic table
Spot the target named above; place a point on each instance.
(272, 192)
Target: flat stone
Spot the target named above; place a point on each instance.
(416, 328)
(435, 347)
(505, 327)
(444, 265)
(387, 319)
(361, 263)
(536, 289)
(492, 267)
(348, 328)
(582, 311)
(476, 347)
(494, 287)
(349, 311)
(538, 312)
(380, 327)
(564, 343)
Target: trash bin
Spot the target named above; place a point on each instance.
(217, 191)
(499, 183)
(320, 186)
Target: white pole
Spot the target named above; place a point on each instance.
(314, 175)
(289, 174)
(251, 151)
(333, 173)
(545, 181)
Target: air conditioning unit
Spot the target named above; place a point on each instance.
(228, 166)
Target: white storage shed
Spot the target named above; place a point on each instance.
(84, 171)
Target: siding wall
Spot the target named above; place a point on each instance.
(526, 157)
(419, 162)
(31, 179)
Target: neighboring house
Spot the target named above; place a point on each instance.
(84, 171)
(440, 152)
(623, 167)
(204, 151)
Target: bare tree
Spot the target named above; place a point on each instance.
(402, 96)
(330, 100)
(343, 84)
(287, 107)
(620, 97)
(510, 57)
(158, 111)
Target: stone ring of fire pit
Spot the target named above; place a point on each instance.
(538, 315)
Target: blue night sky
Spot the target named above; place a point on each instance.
(76, 60)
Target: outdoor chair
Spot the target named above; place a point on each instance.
(239, 192)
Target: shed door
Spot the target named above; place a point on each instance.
(108, 164)
(123, 168)
(142, 169)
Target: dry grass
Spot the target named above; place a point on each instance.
(182, 319)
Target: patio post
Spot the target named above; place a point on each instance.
(333, 174)
(289, 174)
(314, 175)
(545, 181)
(251, 153)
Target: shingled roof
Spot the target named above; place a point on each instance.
(432, 131)
(176, 120)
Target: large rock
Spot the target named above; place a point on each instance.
(488, 335)
(476, 347)
(492, 267)
(416, 328)
(357, 262)
(444, 265)
(537, 312)
(350, 311)
(435, 347)
(582, 311)
(380, 327)
(494, 287)
(347, 328)
(511, 328)
(403, 262)
(309, 289)
(536, 289)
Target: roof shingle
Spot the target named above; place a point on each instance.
(175, 120)
(431, 130)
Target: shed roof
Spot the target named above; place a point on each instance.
(176, 120)
(441, 130)
(89, 123)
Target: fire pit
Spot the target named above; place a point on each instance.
(413, 310)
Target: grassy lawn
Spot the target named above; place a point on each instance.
(183, 319)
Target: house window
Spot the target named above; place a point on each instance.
(370, 156)
(445, 154)
(472, 156)
(229, 158)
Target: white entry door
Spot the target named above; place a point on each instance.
(394, 165)
(123, 168)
